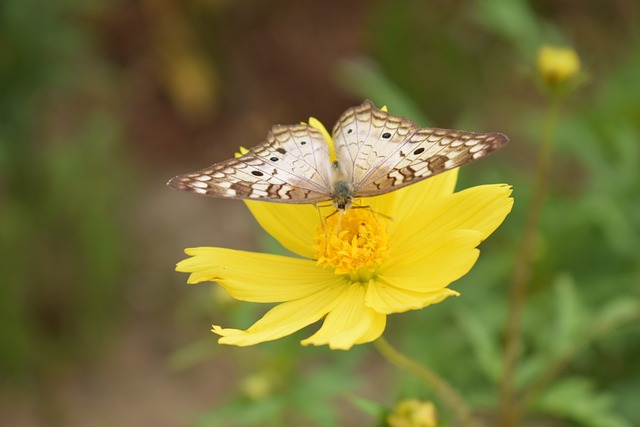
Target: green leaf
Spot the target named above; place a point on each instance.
(243, 412)
(193, 354)
(368, 406)
(617, 313)
(484, 347)
(530, 369)
(363, 78)
(569, 315)
(312, 397)
(517, 22)
(576, 399)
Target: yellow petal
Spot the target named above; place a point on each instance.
(384, 204)
(317, 124)
(349, 323)
(257, 277)
(418, 197)
(241, 152)
(414, 198)
(284, 319)
(294, 226)
(431, 264)
(481, 208)
(385, 298)
(376, 328)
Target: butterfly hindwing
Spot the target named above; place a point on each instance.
(291, 166)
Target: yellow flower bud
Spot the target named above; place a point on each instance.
(413, 413)
(557, 65)
(257, 386)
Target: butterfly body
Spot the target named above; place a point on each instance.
(341, 187)
(375, 153)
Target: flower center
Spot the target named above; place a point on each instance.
(353, 242)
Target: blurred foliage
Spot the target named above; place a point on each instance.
(60, 233)
(579, 346)
(585, 293)
(287, 386)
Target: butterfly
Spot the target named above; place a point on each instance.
(375, 153)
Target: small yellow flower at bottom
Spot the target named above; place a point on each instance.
(413, 413)
(396, 252)
(258, 386)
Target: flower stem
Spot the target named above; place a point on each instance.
(449, 395)
(510, 413)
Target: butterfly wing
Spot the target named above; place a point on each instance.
(384, 152)
(359, 142)
(291, 166)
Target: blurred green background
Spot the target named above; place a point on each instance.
(102, 101)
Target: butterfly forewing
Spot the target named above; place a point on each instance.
(386, 152)
(366, 136)
(291, 166)
(426, 153)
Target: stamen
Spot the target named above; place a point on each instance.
(353, 242)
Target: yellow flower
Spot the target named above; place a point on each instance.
(413, 413)
(397, 252)
(557, 65)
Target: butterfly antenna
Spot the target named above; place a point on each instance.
(323, 219)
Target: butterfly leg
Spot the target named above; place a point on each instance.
(323, 219)
(375, 213)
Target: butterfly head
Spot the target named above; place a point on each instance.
(342, 199)
(342, 195)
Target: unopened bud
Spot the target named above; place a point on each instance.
(413, 413)
(557, 65)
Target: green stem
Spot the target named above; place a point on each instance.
(449, 395)
(510, 413)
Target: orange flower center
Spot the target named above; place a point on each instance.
(353, 242)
